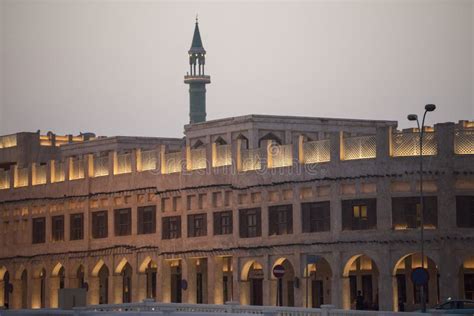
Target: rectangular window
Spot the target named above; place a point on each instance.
(171, 227)
(406, 212)
(280, 219)
(146, 220)
(316, 217)
(465, 211)
(76, 226)
(39, 229)
(57, 227)
(123, 222)
(99, 224)
(359, 214)
(250, 222)
(197, 225)
(223, 223)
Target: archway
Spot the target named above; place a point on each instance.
(126, 274)
(283, 289)
(407, 296)
(176, 295)
(42, 288)
(148, 271)
(24, 289)
(252, 272)
(151, 273)
(57, 282)
(466, 279)
(360, 287)
(103, 275)
(5, 288)
(80, 277)
(318, 277)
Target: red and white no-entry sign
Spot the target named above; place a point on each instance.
(278, 271)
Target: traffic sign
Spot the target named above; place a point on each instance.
(420, 276)
(278, 271)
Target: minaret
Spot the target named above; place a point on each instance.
(196, 79)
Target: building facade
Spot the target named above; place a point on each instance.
(205, 218)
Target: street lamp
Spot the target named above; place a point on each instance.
(414, 117)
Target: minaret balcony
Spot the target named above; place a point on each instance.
(197, 79)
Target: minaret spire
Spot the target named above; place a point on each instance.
(196, 78)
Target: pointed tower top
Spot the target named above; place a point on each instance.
(196, 45)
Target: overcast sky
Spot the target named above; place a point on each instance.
(117, 67)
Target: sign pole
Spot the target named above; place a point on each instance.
(307, 285)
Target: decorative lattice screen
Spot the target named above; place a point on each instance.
(148, 160)
(408, 144)
(77, 169)
(22, 177)
(464, 142)
(101, 166)
(360, 147)
(317, 151)
(7, 141)
(40, 177)
(198, 158)
(58, 171)
(251, 159)
(173, 162)
(281, 156)
(223, 156)
(4, 179)
(124, 163)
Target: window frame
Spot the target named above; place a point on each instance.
(57, 228)
(149, 226)
(123, 222)
(73, 231)
(280, 219)
(221, 228)
(38, 236)
(102, 231)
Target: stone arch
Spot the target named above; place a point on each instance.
(19, 272)
(244, 274)
(57, 281)
(80, 276)
(5, 287)
(282, 292)
(3, 270)
(148, 273)
(406, 296)
(56, 269)
(97, 267)
(121, 265)
(23, 277)
(360, 282)
(252, 275)
(317, 276)
(466, 278)
(103, 284)
(39, 288)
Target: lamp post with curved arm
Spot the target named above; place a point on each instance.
(414, 117)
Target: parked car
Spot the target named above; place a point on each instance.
(452, 307)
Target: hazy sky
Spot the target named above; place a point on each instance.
(117, 67)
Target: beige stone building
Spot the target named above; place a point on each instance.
(204, 219)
